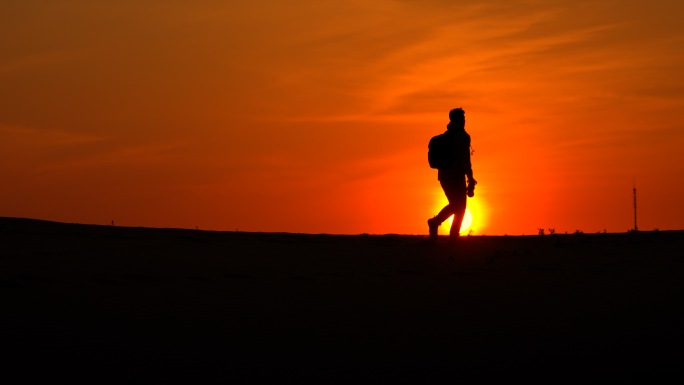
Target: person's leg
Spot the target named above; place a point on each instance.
(456, 194)
(443, 215)
(458, 207)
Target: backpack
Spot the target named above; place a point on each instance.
(442, 151)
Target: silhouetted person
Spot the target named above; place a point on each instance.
(453, 169)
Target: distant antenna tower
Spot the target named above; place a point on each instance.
(635, 209)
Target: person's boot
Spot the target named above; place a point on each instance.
(433, 226)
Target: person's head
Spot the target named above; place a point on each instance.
(457, 117)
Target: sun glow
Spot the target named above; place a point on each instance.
(467, 220)
(465, 225)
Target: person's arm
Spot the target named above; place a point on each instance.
(468, 170)
(467, 165)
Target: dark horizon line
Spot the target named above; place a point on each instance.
(4, 220)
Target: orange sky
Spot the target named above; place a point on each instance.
(314, 116)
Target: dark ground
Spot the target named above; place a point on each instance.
(110, 304)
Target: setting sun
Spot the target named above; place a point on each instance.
(467, 220)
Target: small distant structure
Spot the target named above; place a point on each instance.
(635, 208)
(112, 222)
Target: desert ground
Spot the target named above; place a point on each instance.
(121, 304)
